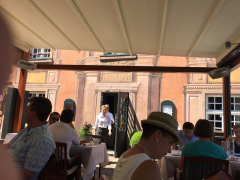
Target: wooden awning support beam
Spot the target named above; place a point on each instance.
(20, 97)
(156, 69)
(227, 106)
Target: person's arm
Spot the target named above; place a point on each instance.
(229, 139)
(82, 141)
(181, 143)
(27, 175)
(96, 125)
(109, 126)
(75, 139)
(8, 168)
(147, 170)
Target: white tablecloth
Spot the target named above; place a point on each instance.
(91, 156)
(169, 162)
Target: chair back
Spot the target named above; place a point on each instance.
(199, 167)
(43, 173)
(58, 169)
(102, 138)
(219, 175)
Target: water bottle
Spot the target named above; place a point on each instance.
(231, 146)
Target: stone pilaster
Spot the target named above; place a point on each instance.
(80, 98)
(155, 92)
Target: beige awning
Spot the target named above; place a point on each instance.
(188, 28)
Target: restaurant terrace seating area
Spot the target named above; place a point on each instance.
(150, 64)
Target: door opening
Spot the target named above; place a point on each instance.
(111, 99)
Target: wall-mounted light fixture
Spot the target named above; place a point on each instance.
(112, 57)
(220, 72)
(228, 44)
(26, 65)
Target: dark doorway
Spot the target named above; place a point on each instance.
(111, 99)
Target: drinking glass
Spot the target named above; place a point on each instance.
(225, 146)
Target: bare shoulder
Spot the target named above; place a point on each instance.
(147, 170)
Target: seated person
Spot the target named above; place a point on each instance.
(33, 146)
(53, 118)
(159, 134)
(203, 147)
(236, 131)
(64, 130)
(186, 135)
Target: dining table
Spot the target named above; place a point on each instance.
(170, 162)
(92, 155)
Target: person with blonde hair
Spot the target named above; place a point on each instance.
(103, 124)
(236, 131)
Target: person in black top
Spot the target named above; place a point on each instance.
(236, 131)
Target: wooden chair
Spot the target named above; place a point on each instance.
(102, 138)
(199, 167)
(59, 167)
(43, 173)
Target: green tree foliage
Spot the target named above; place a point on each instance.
(135, 138)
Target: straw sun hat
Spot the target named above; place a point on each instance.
(164, 121)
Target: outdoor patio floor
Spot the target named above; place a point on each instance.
(107, 171)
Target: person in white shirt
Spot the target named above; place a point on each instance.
(53, 118)
(109, 114)
(64, 130)
(103, 124)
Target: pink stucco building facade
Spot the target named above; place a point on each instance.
(191, 94)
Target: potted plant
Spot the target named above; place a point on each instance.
(87, 132)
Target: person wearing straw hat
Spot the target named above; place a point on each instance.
(159, 134)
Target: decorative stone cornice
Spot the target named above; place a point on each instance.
(92, 74)
(142, 74)
(193, 61)
(120, 63)
(209, 87)
(40, 87)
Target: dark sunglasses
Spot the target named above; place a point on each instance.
(55, 119)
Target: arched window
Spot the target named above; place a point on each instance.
(69, 104)
(168, 107)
